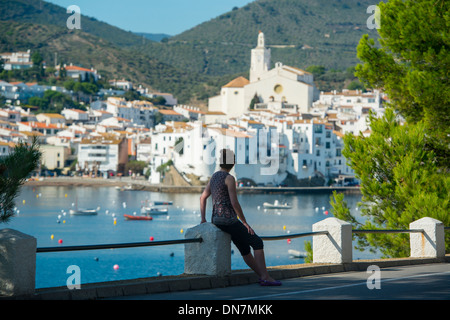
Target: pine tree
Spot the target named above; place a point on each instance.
(400, 182)
(404, 166)
(14, 169)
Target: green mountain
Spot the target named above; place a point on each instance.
(154, 36)
(44, 13)
(301, 32)
(195, 64)
(26, 24)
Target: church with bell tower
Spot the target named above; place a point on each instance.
(282, 89)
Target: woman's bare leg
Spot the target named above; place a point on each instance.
(258, 264)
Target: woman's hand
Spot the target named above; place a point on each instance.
(250, 230)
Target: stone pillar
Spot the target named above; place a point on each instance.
(210, 257)
(430, 243)
(17, 263)
(334, 247)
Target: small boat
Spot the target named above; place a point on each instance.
(133, 217)
(276, 205)
(296, 254)
(154, 210)
(125, 188)
(83, 212)
(162, 203)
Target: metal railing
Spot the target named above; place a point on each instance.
(182, 241)
(388, 231)
(118, 245)
(162, 243)
(292, 236)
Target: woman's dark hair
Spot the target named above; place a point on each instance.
(227, 159)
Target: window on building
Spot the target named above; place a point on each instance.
(318, 128)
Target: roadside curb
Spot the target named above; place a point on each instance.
(184, 282)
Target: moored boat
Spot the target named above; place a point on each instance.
(133, 217)
(276, 205)
(83, 212)
(154, 210)
(162, 203)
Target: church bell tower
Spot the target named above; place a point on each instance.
(260, 62)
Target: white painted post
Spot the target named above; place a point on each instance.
(430, 243)
(17, 263)
(212, 256)
(334, 247)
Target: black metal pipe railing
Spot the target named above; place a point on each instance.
(118, 245)
(388, 231)
(292, 236)
(181, 241)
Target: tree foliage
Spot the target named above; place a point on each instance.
(400, 182)
(411, 64)
(403, 166)
(14, 169)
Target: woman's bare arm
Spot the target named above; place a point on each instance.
(203, 198)
(231, 184)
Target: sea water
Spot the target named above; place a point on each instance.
(43, 212)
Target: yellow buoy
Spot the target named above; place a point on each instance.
(65, 195)
(181, 231)
(284, 227)
(64, 221)
(52, 237)
(23, 201)
(37, 196)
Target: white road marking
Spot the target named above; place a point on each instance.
(337, 287)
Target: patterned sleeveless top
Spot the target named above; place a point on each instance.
(223, 212)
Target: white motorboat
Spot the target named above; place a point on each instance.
(83, 212)
(276, 205)
(125, 188)
(154, 210)
(297, 254)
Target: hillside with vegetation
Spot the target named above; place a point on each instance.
(317, 35)
(301, 33)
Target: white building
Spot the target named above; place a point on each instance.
(121, 84)
(51, 118)
(76, 73)
(282, 88)
(75, 115)
(5, 149)
(315, 150)
(16, 60)
(104, 153)
(140, 113)
(170, 99)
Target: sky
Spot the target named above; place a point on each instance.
(153, 16)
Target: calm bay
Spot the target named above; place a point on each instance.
(43, 211)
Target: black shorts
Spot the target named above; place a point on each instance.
(241, 238)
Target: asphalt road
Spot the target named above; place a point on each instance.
(418, 282)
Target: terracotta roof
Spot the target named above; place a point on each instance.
(239, 82)
(231, 133)
(75, 68)
(51, 115)
(218, 113)
(169, 112)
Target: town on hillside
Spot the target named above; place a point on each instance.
(283, 130)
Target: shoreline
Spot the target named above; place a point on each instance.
(142, 185)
